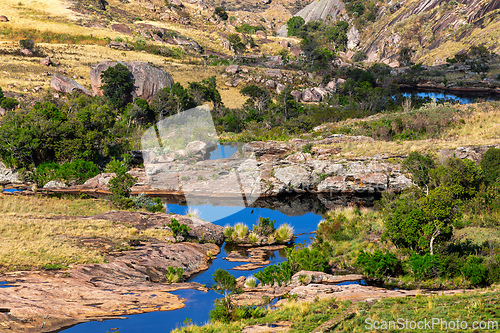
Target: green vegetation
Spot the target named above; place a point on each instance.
(174, 275)
(117, 85)
(178, 229)
(122, 182)
(71, 173)
(221, 13)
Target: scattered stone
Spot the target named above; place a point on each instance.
(227, 45)
(3, 18)
(279, 88)
(65, 85)
(284, 43)
(297, 94)
(27, 53)
(121, 28)
(261, 34)
(176, 3)
(233, 69)
(2, 111)
(332, 86)
(270, 84)
(307, 277)
(118, 46)
(311, 95)
(341, 81)
(274, 73)
(45, 62)
(247, 267)
(55, 184)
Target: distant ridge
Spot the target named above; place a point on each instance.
(318, 9)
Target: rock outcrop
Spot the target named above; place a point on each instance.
(8, 175)
(318, 10)
(65, 85)
(147, 79)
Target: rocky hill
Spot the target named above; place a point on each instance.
(435, 29)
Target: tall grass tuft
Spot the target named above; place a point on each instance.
(284, 233)
(240, 230)
(253, 237)
(228, 231)
(251, 282)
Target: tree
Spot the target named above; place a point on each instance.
(258, 98)
(416, 222)
(419, 166)
(460, 175)
(206, 90)
(236, 43)
(221, 13)
(294, 24)
(490, 164)
(9, 103)
(118, 85)
(122, 182)
(405, 55)
(170, 101)
(225, 284)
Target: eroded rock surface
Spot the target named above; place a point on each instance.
(65, 85)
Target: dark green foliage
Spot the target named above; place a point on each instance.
(117, 85)
(8, 103)
(236, 43)
(424, 267)
(378, 264)
(75, 172)
(336, 228)
(460, 175)
(1, 95)
(178, 229)
(259, 98)
(490, 164)
(27, 44)
(419, 166)
(475, 271)
(338, 34)
(249, 29)
(167, 102)
(174, 275)
(406, 55)
(206, 91)
(359, 56)
(122, 182)
(265, 227)
(280, 274)
(139, 113)
(294, 24)
(225, 283)
(221, 13)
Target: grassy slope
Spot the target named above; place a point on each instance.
(26, 73)
(482, 127)
(31, 239)
(480, 305)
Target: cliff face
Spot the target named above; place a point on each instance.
(435, 29)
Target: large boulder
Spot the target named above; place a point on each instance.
(8, 175)
(3, 18)
(147, 79)
(65, 85)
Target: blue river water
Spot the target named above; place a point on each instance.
(462, 99)
(198, 303)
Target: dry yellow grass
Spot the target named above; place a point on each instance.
(482, 127)
(38, 205)
(31, 242)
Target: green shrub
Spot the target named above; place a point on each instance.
(9, 103)
(474, 271)
(75, 172)
(228, 232)
(308, 259)
(424, 267)
(153, 205)
(174, 275)
(27, 44)
(490, 165)
(265, 227)
(307, 148)
(221, 13)
(178, 229)
(280, 274)
(378, 264)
